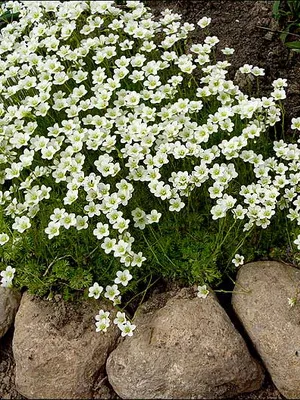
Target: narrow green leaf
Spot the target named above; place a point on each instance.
(8, 16)
(275, 10)
(291, 6)
(293, 45)
(294, 6)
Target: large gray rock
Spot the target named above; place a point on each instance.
(272, 325)
(9, 303)
(183, 347)
(58, 353)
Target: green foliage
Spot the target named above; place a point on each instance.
(7, 17)
(287, 13)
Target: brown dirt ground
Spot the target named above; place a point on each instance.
(247, 27)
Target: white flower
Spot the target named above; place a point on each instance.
(117, 300)
(6, 283)
(153, 217)
(120, 319)
(120, 248)
(4, 238)
(297, 242)
(138, 213)
(256, 71)
(81, 222)
(246, 69)
(279, 83)
(227, 51)
(8, 273)
(108, 245)
(239, 212)
(292, 301)
(218, 211)
(296, 123)
(7, 276)
(127, 329)
(101, 230)
(238, 260)
(202, 292)
(211, 40)
(68, 220)
(52, 229)
(138, 259)
(92, 209)
(176, 204)
(123, 277)
(204, 22)
(95, 290)
(21, 224)
(102, 325)
(278, 94)
(102, 315)
(111, 292)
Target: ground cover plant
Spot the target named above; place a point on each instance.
(287, 13)
(127, 155)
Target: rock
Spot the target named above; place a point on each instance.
(58, 353)
(272, 325)
(7, 369)
(244, 81)
(272, 28)
(294, 88)
(9, 303)
(269, 36)
(183, 347)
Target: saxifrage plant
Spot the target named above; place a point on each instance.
(127, 155)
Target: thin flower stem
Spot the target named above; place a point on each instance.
(282, 119)
(238, 247)
(152, 251)
(159, 244)
(138, 294)
(233, 291)
(238, 284)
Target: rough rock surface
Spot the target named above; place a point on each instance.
(58, 353)
(183, 347)
(7, 369)
(272, 325)
(9, 303)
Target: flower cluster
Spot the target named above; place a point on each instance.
(103, 322)
(7, 276)
(98, 101)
